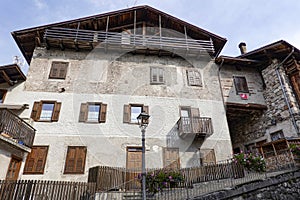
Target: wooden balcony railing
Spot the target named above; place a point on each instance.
(79, 38)
(15, 128)
(199, 126)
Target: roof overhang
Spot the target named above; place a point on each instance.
(11, 74)
(237, 61)
(117, 21)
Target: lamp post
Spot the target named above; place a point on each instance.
(143, 122)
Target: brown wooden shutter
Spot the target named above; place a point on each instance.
(70, 160)
(80, 159)
(171, 158)
(56, 110)
(146, 110)
(154, 75)
(54, 70)
(102, 113)
(58, 70)
(83, 112)
(36, 110)
(75, 160)
(36, 160)
(295, 79)
(240, 84)
(126, 114)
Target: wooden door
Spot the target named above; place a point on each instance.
(13, 169)
(185, 114)
(171, 158)
(207, 156)
(134, 167)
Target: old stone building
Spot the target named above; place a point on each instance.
(90, 78)
(265, 106)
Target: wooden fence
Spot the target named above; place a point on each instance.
(45, 190)
(117, 178)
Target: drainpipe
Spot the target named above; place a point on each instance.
(284, 92)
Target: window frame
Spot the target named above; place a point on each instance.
(157, 76)
(37, 110)
(127, 112)
(194, 77)
(4, 92)
(84, 110)
(76, 157)
(59, 66)
(35, 160)
(240, 84)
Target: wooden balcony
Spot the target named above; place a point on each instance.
(87, 39)
(15, 130)
(199, 127)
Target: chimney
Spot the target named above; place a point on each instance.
(243, 47)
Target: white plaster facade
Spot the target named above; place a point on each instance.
(116, 80)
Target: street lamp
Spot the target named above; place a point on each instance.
(143, 122)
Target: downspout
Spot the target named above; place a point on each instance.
(284, 92)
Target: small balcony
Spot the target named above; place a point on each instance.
(150, 44)
(14, 130)
(199, 127)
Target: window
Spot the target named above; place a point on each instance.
(132, 111)
(93, 112)
(193, 77)
(75, 160)
(46, 111)
(157, 75)
(2, 95)
(240, 84)
(171, 158)
(58, 70)
(277, 135)
(36, 160)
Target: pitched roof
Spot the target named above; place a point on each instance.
(116, 21)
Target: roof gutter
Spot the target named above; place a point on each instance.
(284, 91)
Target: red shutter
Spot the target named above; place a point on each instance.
(102, 113)
(83, 112)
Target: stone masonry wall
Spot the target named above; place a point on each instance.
(284, 187)
(277, 107)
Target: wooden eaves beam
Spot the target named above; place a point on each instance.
(6, 78)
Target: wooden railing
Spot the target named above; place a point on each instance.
(199, 126)
(118, 178)
(40, 189)
(16, 129)
(77, 37)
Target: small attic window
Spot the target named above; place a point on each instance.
(240, 84)
(58, 70)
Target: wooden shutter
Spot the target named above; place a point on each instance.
(102, 113)
(195, 112)
(56, 110)
(295, 79)
(36, 160)
(126, 114)
(157, 75)
(240, 84)
(58, 70)
(36, 110)
(194, 77)
(83, 112)
(146, 110)
(75, 160)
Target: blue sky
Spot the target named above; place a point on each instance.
(256, 22)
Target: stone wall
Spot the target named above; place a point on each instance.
(284, 187)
